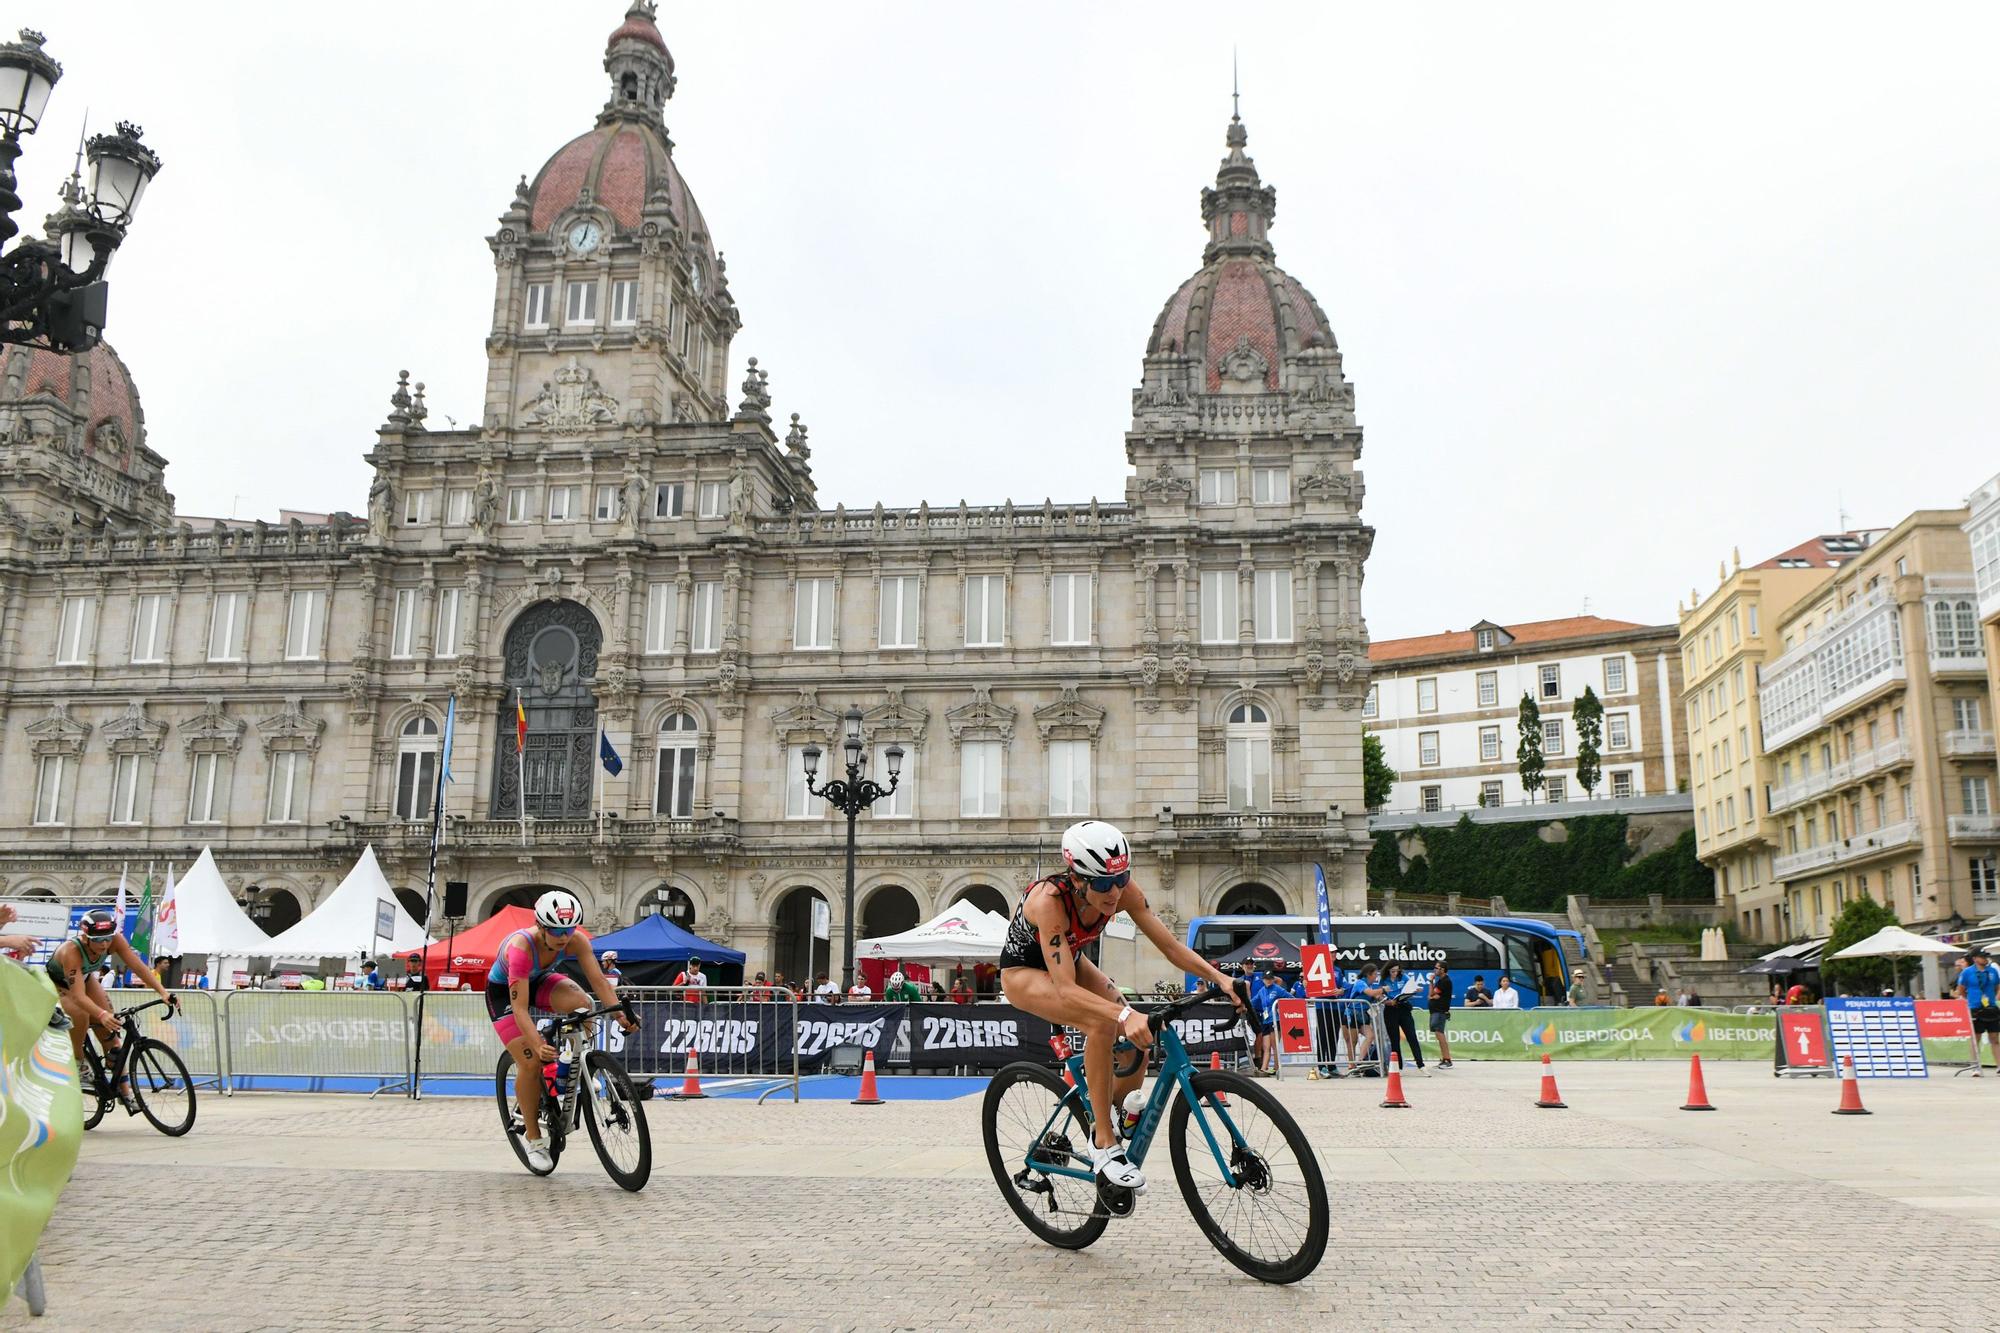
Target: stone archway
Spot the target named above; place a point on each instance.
(274, 910)
(671, 902)
(521, 895)
(796, 950)
(890, 910)
(413, 903)
(1251, 899)
(985, 897)
(549, 668)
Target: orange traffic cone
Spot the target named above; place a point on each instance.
(1392, 1094)
(1215, 1062)
(1850, 1090)
(691, 1083)
(868, 1096)
(1697, 1090)
(1550, 1100)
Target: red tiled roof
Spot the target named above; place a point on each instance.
(622, 165)
(1532, 632)
(1241, 308)
(1815, 553)
(562, 179)
(638, 26)
(112, 395)
(621, 181)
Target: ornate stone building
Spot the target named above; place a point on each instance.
(620, 549)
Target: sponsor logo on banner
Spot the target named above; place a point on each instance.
(1691, 1032)
(817, 1037)
(944, 1033)
(709, 1036)
(1204, 1031)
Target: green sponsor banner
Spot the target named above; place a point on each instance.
(41, 1116)
(1605, 1034)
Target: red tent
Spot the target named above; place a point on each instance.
(470, 956)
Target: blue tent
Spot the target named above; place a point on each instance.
(656, 940)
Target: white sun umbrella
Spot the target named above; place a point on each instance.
(1894, 942)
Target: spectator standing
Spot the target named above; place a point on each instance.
(370, 979)
(1981, 984)
(1365, 996)
(692, 981)
(760, 990)
(1797, 994)
(827, 992)
(1576, 999)
(961, 987)
(1439, 997)
(1266, 1001)
(1662, 1000)
(1396, 1011)
(860, 992)
(1476, 994)
(414, 978)
(1506, 997)
(901, 990)
(1681, 1000)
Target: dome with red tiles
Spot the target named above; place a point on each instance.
(93, 389)
(1241, 316)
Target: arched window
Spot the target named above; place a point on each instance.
(674, 790)
(670, 902)
(1954, 629)
(416, 768)
(1248, 740)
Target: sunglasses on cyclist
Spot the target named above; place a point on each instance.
(1105, 883)
(559, 932)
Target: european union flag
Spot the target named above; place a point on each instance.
(608, 756)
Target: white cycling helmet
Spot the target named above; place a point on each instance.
(1097, 850)
(559, 910)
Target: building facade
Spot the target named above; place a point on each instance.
(1877, 720)
(1447, 710)
(617, 550)
(1982, 533)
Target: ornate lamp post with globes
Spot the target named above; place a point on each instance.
(851, 797)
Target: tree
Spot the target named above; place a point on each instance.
(1588, 714)
(1377, 778)
(1856, 922)
(1529, 755)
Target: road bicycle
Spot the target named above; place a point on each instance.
(597, 1094)
(160, 1087)
(1248, 1176)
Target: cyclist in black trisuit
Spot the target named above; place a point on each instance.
(1043, 970)
(98, 948)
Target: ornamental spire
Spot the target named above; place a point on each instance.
(1240, 208)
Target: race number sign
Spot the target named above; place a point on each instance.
(1802, 1041)
(1321, 982)
(1294, 1034)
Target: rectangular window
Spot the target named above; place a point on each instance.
(986, 610)
(1965, 714)
(203, 803)
(287, 803)
(1069, 777)
(77, 631)
(1485, 640)
(149, 627)
(1270, 485)
(979, 779)
(900, 600)
(458, 506)
(538, 306)
(1274, 605)
(1621, 783)
(673, 790)
(1433, 798)
(562, 503)
(662, 611)
(606, 508)
(303, 621)
(517, 504)
(580, 303)
(125, 789)
(225, 626)
(1614, 675)
(1489, 744)
(1369, 706)
(625, 301)
(1552, 735)
(1219, 622)
(706, 634)
(1909, 801)
(416, 508)
(668, 499)
(1736, 684)
(711, 499)
(812, 615)
(1751, 614)
(1491, 795)
(444, 637)
(1972, 795)
(1069, 609)
(902, 802)
(1249, 765)
(1552, 681)
(1427, 749)
(1558, 789)
(1985, 887)
(1881, 808)
(416, 783)
(1489, 689)
(1218, 486)
(1618, 731)
(50, 784)
(403, 624)
(1427, 695)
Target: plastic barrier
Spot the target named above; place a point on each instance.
(458, 1040)
(296, 1040)
(195, 1033)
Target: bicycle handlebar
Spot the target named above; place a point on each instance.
(582, 1016)
(136, 1010)
(1160, 1017)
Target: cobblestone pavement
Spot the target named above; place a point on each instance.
(1473, 1210)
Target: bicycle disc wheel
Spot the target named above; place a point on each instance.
(1273, 1225)
(510, 1113)
(1061, 1210)
(161, 1086)
(617, 1122)
(91, 1077)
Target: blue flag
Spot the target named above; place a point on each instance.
(608, 756)
(1325, 909)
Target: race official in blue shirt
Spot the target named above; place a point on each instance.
(1980, 983)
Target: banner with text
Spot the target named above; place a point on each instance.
(751, 1038)
(985, 1036)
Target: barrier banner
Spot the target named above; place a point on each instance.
(1294, 1037)
(1207, 1028)
(1607, 1034)
(1802, 1041)
(1941, 1020)
(985, 1036)
(755, 1038)
(41, 1116)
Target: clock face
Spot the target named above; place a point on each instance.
(584, 236)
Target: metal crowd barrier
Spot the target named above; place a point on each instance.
(316, 1034)
(1330, 1021)
(196, 1033)
(740, 1032)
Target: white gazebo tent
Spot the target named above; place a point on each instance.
(209, 919)
(348, 923)
(962, 932)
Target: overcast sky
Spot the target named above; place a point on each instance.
(1615, 296)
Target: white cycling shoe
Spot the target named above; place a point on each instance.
(538, 1155)
(1113, 1166)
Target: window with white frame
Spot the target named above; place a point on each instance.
(416, 508)
(1750, 615)
(1552, 735)
(403, 624)
(1274, 605)
(1369, 706)
(1069, 609)
(458, 506)
(1433, 798)
(812, 614)
(985, 610)
(1489, 689)
(1736, 684)
(1427, 694)
(902, 802)
(1618, 731)
(1484, 641)
(1069, 777)
(1558, 789)
(1551, 681)
(1218, 486)
(979, 779)
(580, 303)
(673, 786)
(1219, 620)
(444, 637)
(226, 626)
(51, 788)
(1270, 485)
(711, 499)
(669, 499)
(287, 800)
(1427, 749)
(1973, 796)
(1955, 629)
(149, 627)
(562, 504)
(800, 803)
(305, 619)
(1614, 675)
(1489, 744)
(1491, 794)
(125, 807)
(538, 306)
(417, 749)
(606, 508)
(1247, 745)
(625, 301)
(1985, 887)
(900, 598)
(662, 611)
(1965, 714)
(706, 633)
(517, 504)
(205, 791)
(77, 632)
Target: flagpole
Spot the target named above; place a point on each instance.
(430, 890)
(597, 796)
(521, 760)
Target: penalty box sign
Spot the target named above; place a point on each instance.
(1320, 979)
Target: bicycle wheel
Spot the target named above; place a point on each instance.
(510, 1115)
(617, 1122)
(91, 1076)
(1273, 1225)
(1014, 1118)
(161, 1086)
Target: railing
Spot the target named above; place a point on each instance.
(1968, 742)
(1948, 663)
(1250, 824)
(1888, 754)
(472, 833)
(959, 521)
(1797, 863)
(1950, 585)
(1976, 828)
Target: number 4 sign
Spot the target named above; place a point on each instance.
(1318, 961)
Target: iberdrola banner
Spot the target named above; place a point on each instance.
(41, 1116)
(1607, 1034)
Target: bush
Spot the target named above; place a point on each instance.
(1513, 861)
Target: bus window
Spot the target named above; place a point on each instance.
(1555, 982)
(1464, 952)
(1521, 964)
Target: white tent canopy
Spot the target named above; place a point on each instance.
(1896, 942)
(210, 921)
(345, 925)
(960, 932)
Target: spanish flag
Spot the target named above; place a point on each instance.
(520, 725)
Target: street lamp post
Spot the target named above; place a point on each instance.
(851, 797)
